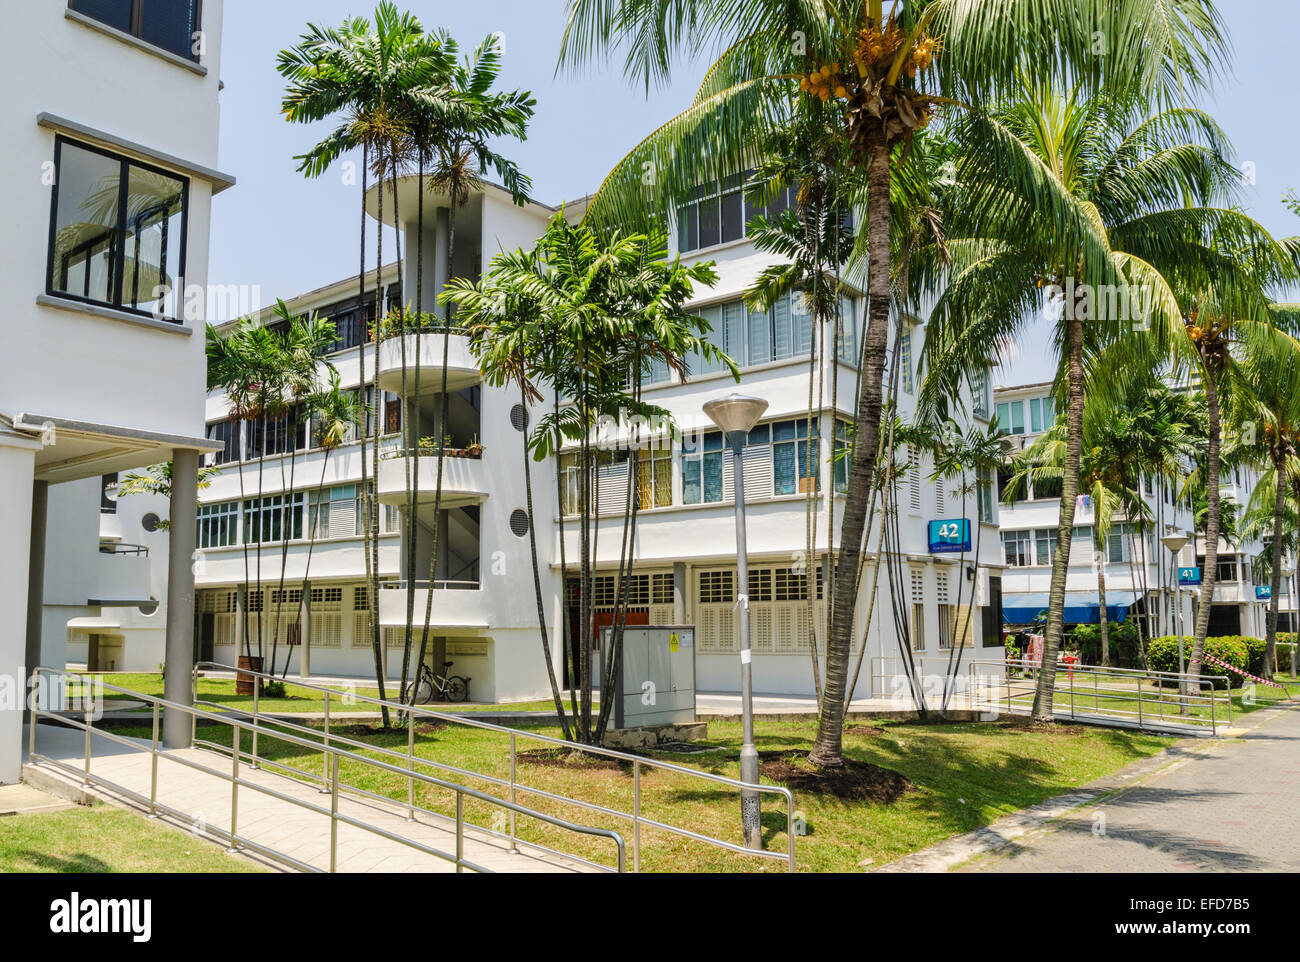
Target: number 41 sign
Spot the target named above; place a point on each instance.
(949, 536)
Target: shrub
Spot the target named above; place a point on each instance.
(1123, 644)
(1255, 655)
(1162, 654)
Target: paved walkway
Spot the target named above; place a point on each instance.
(281, 825)
(1227, 805)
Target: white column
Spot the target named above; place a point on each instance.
(180, 597)
(17, 464)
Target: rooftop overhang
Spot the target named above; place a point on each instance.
(72, 450)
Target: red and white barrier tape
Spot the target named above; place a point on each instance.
(1244, 674)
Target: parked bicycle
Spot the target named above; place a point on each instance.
(447, 687)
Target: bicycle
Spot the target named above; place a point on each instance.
(451, 688)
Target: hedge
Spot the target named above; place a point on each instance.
(1162, 655)
(1123, 644)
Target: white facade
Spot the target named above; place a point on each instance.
(1133, 567)
(111, 145)
(484, 613)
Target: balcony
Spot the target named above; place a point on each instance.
(425, 350)
(464, 478)
(119, 576)
(459, 607)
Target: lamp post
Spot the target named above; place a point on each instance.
(1288, 574)
(736, 415)
(1175, 543)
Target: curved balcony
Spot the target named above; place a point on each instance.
(425, 349)
(458, 606)
(464, 479)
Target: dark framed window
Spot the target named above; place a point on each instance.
(172, 25)
(117, 231)
(227, 432)
(992, 614)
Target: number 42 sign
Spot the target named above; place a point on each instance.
(949, 536)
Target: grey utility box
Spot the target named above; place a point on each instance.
(657, 684)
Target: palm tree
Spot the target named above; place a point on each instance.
(889, 73)
(157, 479)
(246, 363)
(334, 414)
(584, 314)
(369, 76)
(459, 139)
(1266, 414)
(1086, 198)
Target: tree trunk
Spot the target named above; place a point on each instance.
(1279, 510)
(827, 751)
(1212, 510)
(1042, 711)
(1103, 620)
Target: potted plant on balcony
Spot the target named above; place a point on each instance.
(474, 449)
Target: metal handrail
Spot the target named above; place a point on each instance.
(977, 679)
(117, 547)
(332, 755)
(636, 761)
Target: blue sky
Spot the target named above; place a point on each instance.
(290, 235)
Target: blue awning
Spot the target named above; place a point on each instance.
(1081, 607)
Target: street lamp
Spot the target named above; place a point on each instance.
(1175, 543)
(736, 415)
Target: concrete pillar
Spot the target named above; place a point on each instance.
(679, 593)
(17, 464)
(180, 597)
(304, 632)
(36, 575)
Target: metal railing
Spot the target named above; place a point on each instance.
(331, 753)
(1080, 692)
(635, 818)
(116, 547)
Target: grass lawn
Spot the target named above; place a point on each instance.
(104, 839)
(297, 698)
(963, 776)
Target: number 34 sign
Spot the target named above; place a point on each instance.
(949, 536)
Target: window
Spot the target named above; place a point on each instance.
(796, 462)
(107, 494)
(702, 469)
(984, 494)
(390, 412)
(979, 393)
(717, 587)
(218, 525)
(784, 332)
(1227, 570)
(328, 507)
(1045, 489)
(1045, 546)
(654, 479)
(1011, 417)
(991, 615)
(841, 469)
(117, 232)
(272, 436)
(905, 359)
(227, 432)
(1041, 414)
(275, 517)
(1016, 549)
(172, 25)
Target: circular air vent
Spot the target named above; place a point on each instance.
(519, 522)
(149, 609)
(519, 417)
(150, 522)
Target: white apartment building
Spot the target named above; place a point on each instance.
(1137, 570)
(110, 130)
(484, 616)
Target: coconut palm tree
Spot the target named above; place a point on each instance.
(1265, 413)
(1089, 199)
(889, 74)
